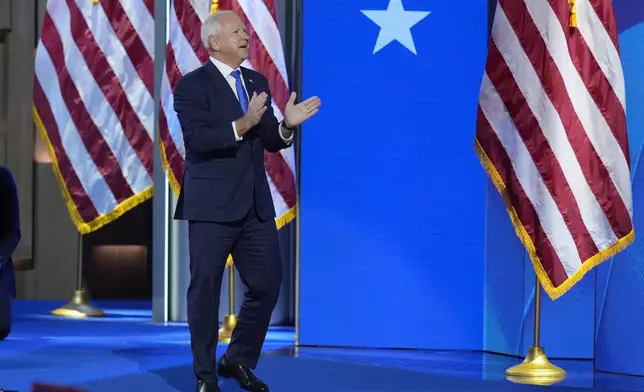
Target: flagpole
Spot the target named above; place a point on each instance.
(79, 306)
(296, 9)
(230, 320)
(536, 369)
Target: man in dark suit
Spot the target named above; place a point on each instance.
(9, 229)
(9, 239)
(227, 122)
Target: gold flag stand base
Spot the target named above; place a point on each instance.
(78, 307)
(230, 321)
(536, 369)
(226, 330)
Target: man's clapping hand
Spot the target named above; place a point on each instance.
(256, 108)
(295, 115)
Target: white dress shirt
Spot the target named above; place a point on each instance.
(227, 72)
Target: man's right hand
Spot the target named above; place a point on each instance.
(256, 109)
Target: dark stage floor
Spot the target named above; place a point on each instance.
(126, 352)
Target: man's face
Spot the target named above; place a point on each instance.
(231, 41)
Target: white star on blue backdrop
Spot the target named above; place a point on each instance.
(395, 25)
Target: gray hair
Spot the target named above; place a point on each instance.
(211, 26)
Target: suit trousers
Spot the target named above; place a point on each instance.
(254, 245)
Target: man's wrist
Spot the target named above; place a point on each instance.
(286, 133)
(286, 125)
(242, 125)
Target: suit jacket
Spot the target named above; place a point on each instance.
(9, 229)
(223, 176)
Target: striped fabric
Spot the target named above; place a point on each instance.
(551, 133)
(185, 52)
(93, 104)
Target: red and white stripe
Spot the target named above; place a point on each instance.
(551, 132)
(93, 102)
(185, 52)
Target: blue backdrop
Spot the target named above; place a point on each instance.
(404, 242)
(392, 193)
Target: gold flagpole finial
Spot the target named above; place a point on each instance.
(214, 7)
(95, 1)
(573, 13)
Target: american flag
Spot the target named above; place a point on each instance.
(185, 52)
(94, 106)
(551, 133)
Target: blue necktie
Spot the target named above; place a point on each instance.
(241, 91)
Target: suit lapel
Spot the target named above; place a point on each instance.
(250, 83)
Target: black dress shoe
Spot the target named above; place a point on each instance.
(245, 378)
(205, 387)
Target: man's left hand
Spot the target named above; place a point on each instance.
(295, 115)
